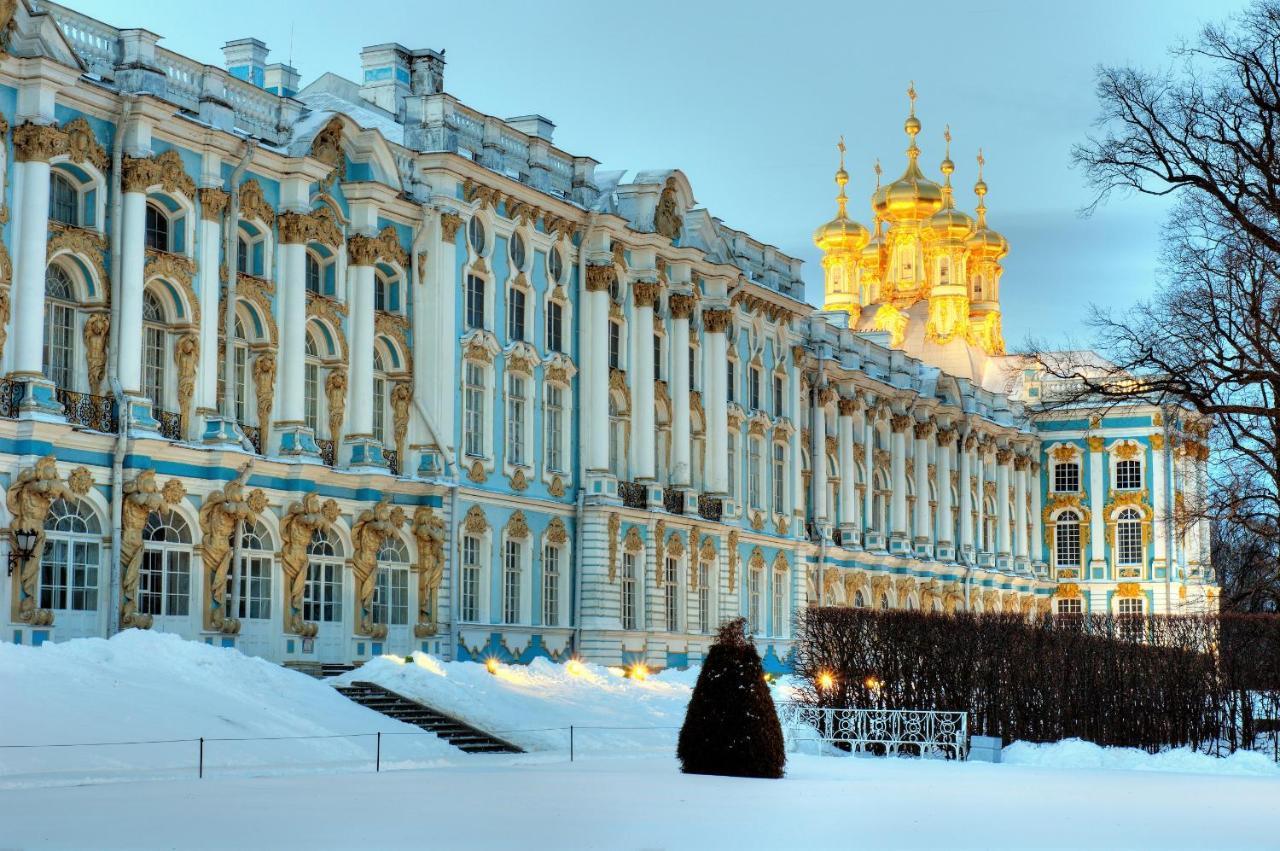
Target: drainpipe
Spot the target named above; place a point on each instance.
(117, 504)
(230, 238)
(576, 615)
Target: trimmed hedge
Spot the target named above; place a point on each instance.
(1205, 682)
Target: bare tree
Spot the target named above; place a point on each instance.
(1205, 132)
(1246, 565)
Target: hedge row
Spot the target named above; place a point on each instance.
(1207, 682)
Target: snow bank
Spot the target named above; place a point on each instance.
(1079, 754)
(142, 685)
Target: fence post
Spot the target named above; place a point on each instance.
(377, 760)
(570, 743)
(200, 771)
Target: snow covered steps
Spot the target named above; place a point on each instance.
(461, 735)
(320, 670)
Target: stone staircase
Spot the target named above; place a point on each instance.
(457, 733)
(321, 670)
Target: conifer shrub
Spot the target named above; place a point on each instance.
(731, 727)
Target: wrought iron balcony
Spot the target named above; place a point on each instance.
(170, 423)
(255, 437)
(633, 494)
(673, 500)
(92, 412)
(393, 460)
(327, 451)
(710, 507)
(10, 396)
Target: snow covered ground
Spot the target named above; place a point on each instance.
(624, 790)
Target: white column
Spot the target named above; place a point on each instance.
(1020, 465)
(642, 429)
(795, 412)
(213, 203)
(944, 532)
(966, 447)
(1159, 503)
(1004, 457)
(360, 376)
(681, 444)
(595, 366)
(818, 453)
(981, 525)
(1037, 507)
(868, 466)
(1097, 504)
(898, 425)
(32, 176)
(291, 307)
(434, 333)
(716, 322)
(923, 532)
(844, 437)
(129, 292)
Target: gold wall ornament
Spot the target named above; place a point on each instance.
(675, 544)
(473, 191)
(264, 384)
(450, 224)
(86, 244)
(97, 329)
(681, 305)
(1128, 589)
(556, 532)
(475, 523)
(178, 270)
(632, 542)
(948, 319)
(1065, 453)
(619, 255)
(1095, 443)
(38, 142)
(614, 528)
(82, 145)
(1126, 451)
(253, 204)
(1157, 442)
(429, 533)
(659, 552)
(519, 481)
(294, 227)
(362, 250)
(327, 148)
(707, 552)
(213, 203)
(5, 310)
(220, 514)
(667, 220)
(389, 248)
(186, 357)
(368, 533)
(328, 310)
(732, 546)
(517, 525)
(891, 319)
(477, 472)
(324, 226)
(645, 294)
(557, 486)
(335, 391)
(401, 398)
(140, 174)
(32, 493)
(300, 523)
(618, 384)
(1067, 589)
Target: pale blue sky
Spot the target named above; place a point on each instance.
(748, 98)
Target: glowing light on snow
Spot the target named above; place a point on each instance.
(574, 668)
(638, 671)
(491, 665)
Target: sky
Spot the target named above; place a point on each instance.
(749, 99)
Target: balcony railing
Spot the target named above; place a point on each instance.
(92, 412)
(633, 494)
(255, 437)
(327, 451)
(170, 424)
(10, 396)
(393, 460)
(673, 500)
(710, 507)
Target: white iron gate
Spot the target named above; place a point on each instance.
(915, 732)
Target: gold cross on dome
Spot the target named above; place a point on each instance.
(911, 93)
(877, 174)
(981, 162)
(840, 145)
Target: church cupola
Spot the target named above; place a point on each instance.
(985, 249)
(841, 240)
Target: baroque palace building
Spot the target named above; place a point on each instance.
(328, 372)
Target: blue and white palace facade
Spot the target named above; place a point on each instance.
(334, 371)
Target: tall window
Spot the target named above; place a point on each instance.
(550, 586)
(511, 558)
(628, 611)
(64, 201)
(473, 409)
(72, 557)
(517, 402)
(617, 439)
(755, 591)
(657, 357)
(315, 274)
(241, 362)
(242, 256)
(779, 477)
(59, 327)
(1131, 611)
(553, 432)
(671, 593)
(311, 387)
(1129, 537)
(1128, 475)
(1066, 477)
(704, 597)
(779, 602)
(731, 379)
(515, 314)
(555, 326)
(469, 592)
(693, 373)
(164, 581)
(379, 398)
(615, 346)
(322, 594)
(250, 597)
(755, 388)
(732, 444)
(391, 591)
(778, 407)
(154, 350)
(475, 302)
(1066, 547)
(381, 293)
(157, 228)
(753, 473)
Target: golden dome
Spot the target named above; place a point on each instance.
(985, 242)
(949, 223)
(841, 232)
(913, 196)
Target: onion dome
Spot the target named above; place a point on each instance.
(913, 196)
(949, 223)
(841, 232)
(985, 241)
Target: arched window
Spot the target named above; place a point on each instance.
(473, 419)
(164, 583)
(249, 588)
(553, 433)
(1129, 537)
(311, 386)
(476, 235)
(555, 326)
(157, 228)
(517, 416)
(243, 256)
(858, 600)
(753, 473)
(779, 602)
(72, 557)
(322, 594)
(379, 397)
(555, 265)
(475, 302)
(391, 592)
(517, 251)
(386, 291)
(155, 349)
(59, 328)
(615, 345)
(516, 301)
(627, 590)
(64, 200)
(1066, 547)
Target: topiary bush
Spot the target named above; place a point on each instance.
(731, 727)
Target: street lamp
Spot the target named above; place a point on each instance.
(24, 546)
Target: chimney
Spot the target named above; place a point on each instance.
(533, 125)
(281, 79)
(386, 76)
(246, 59)
(427, 74)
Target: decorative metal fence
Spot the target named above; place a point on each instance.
(710, 507)
(888, 732)
(633, 494)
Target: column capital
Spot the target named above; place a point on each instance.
(899, 423)
(362, 250)
(1021, 463)
(38, 142)
(849, 405)
(717, 321)
(294, 227)
(947, 436)
(827, 395)
(213, 203)
(450, 223)
(681, 305)
(645, 293)
(924, 430)
(1004, 456)
(601, 277)
(970, 442)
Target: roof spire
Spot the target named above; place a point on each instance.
(947, 168)
(842, 178)
(980, 189)
(912, 125)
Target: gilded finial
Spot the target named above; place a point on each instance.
(878, 170)
(946, 134)
(980, 189)
(840, 145)
(912, 125)
(842, 177)
(947, 167)
(911, 94)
